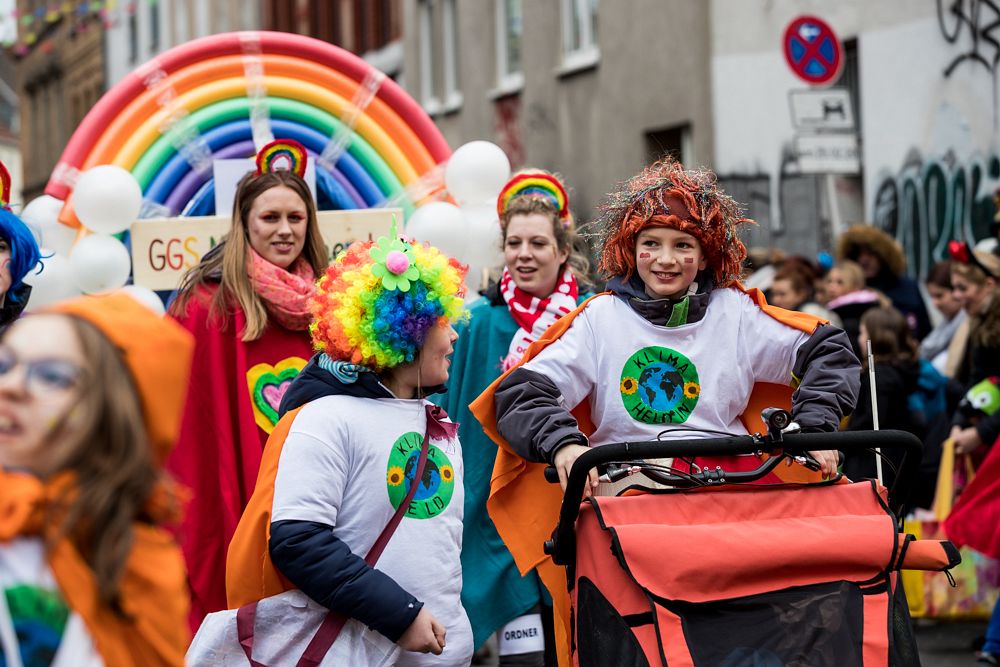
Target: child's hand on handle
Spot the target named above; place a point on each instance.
(563, 461)
(425, 634)
(828, 460)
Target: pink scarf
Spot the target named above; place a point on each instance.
(285, 293)
(535, 315)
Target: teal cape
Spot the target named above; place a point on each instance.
(493, 591)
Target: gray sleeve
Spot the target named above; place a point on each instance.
(829, 380)
(532, 416)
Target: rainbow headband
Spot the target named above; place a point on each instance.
(378, 300)
(283, 154)
(535, 184)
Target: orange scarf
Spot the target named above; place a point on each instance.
(153, 585)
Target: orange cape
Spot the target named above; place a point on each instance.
(153, 587)
(525, 508)
(250, 574)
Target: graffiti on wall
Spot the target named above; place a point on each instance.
(932, 201)
(975, 25)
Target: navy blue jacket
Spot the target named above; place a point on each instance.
(321, 565)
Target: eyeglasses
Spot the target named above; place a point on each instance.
(41, 376)
(961, 252)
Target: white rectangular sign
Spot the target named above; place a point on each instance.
(163, 249)
(828, 109)
(226, 175)
(828, 154)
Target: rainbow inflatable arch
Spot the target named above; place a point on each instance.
(206, 99)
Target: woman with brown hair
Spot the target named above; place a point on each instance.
(91, 393)
(246, 304)
(541, 282)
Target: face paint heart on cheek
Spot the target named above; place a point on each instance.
(689, 260)
(643, 255)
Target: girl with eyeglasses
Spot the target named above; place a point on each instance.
(91, 392)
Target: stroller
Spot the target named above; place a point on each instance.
(716, 571)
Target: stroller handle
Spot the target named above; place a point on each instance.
(562, 547)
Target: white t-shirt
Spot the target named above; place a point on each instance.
(642, 379)
(347, 462)
(34, 619)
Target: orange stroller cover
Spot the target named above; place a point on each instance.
(741, 575)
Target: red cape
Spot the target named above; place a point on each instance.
(525, 508)
(234, 393)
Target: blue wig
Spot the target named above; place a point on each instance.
(24, 254)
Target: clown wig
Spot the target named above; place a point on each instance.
(24, 253)
(377, 302)
(665, 195)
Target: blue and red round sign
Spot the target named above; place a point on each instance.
(812, 50)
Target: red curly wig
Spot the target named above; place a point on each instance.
(665, 195)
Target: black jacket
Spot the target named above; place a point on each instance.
(894, 382)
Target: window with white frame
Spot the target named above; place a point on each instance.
(579, 34)
(510, 32)
(449, 22)
(428, 64)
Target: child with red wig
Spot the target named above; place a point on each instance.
(675, 346)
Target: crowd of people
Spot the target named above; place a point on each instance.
(307, 444)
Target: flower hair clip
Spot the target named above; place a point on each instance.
(286, 154)
(961, 252)
(540, 184)
(394, 261)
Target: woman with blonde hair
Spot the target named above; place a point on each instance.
(541, 282)
(91, 393)
(246, 303)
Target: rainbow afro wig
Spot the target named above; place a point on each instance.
(665, 195)
(378, 300)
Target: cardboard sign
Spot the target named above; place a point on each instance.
(163, 249)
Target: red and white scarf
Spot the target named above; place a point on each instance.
(285, 292)
(535, 315)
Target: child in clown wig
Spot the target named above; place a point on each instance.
(688, 343)
(382, 327)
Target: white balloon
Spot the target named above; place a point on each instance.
(484, 251)
(107, 199)
(51, 280)
(100, 263)
(41, 215)
(442, 225)
(146, 297)
(476, 172)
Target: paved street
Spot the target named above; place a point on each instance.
(947, 644)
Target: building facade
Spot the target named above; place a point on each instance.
(60, 74)
(906, 136)
(371, 29)
(138, 31)
(593, 90)
(923, 88)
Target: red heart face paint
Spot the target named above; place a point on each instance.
(689, 260)
(643, 255)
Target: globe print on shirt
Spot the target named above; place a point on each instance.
(436, 485)
(659, 386)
